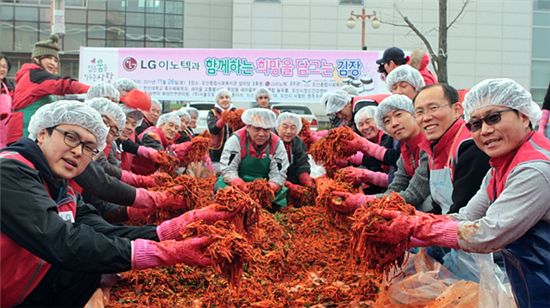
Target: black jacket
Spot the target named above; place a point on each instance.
(298, 160)
(29, 217)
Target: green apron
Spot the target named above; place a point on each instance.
(252, 168)
(30, 110)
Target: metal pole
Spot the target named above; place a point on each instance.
(363, 16)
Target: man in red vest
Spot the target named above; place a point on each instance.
(510, 212)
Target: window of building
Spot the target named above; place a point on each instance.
(359, 2)
(540, 63)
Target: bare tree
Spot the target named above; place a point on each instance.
(439, 59)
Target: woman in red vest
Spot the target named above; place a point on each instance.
(510, 212)
(219, 130)
(37, 82)
(159, 138)
(53, 246)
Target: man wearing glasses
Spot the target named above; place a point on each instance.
(456, 166)
(55, 247)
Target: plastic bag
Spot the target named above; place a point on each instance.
(316, 170)
(494, 288)
(421, 281)
(463, 264)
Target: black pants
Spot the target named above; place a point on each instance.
(61, 288)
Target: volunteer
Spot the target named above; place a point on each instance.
(255, 152)
(510, 212)
(54, 246)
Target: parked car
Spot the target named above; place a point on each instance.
(301, 110)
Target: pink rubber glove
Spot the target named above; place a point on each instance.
(425, 230)
(305, 179)
(208, 163)
(240, 184)
(147, 254)
(356, 159)
(171, 229)
(351, 201)
(181, 149)
(316, 136)
(157, 199)
(149, 153)
(274, 187)
(294, 190)
(356, 175)
(220, 123)
(135, 213)
(543, 123)
(367, 147)
(144, 181)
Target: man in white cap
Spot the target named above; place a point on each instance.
(56, 247)
(510, 212)
(255, 152)
(405, 80)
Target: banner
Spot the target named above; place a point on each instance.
(185, 74)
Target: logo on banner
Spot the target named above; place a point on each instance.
(129, 64)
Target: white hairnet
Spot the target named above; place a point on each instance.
(324, 98)
(259, 117)
(193, 112)
(263, 91)
(337, 101)
(367, 112)
(156, 102)
(391, 103)
(351, 90)
(71, 113)
(405, 73)
(503, 92)
(125, 84)
(132, 113)
(223, 92)
(169, 117)
(112, 110)
(103, 89)
(290, 117)
(184, 114)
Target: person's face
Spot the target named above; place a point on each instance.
(263, 101)
(113, 129)
(3, 68)
(404, 88)
(287, 131)
(389, 66)
(258, 135)
(193, 122)
(50, 64)
(170, 129)
(434, 113)
(346, 113)
(129, 128)
(184, 123)
(500, 137)
(400, 125)
(224, 101)
(153, 114)
(68, 149)
(367, 128)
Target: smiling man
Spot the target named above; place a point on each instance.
(255, 152)
(456, 165)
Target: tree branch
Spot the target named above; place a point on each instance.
(464, 4)
(393, 24)
(418, 33)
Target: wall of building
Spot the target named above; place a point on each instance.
(491, 39)
(208, 24)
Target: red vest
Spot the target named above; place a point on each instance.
(21, 270)
(142, 165)
(535, 148)
(218, 140)
(241, 134)
(410, 153)
(445, 152)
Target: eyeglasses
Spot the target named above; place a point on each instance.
(490, 119)
(432, 108)
(73, 140)
(263, 97)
